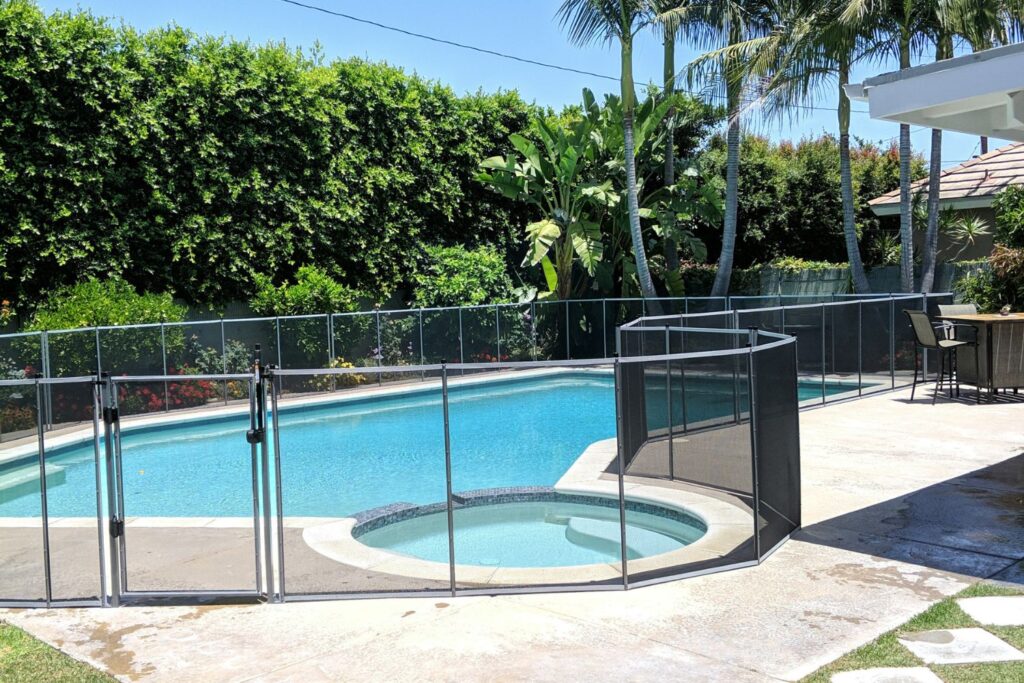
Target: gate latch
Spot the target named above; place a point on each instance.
(110, 415)
(254, 436)
(116, 527)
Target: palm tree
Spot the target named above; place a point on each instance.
(589, 21)
(899, 28)
(712, 25)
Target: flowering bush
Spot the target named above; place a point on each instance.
(323, 382)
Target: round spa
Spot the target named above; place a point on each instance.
(531, 530)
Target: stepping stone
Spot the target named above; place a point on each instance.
(960, 646)
(902, 674)
(997, 611)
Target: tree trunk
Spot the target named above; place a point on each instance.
(732, 170)
(906, 214)
(929, 250)
(669, 72)
(860, 278)
(643, 273)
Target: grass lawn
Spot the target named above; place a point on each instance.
(23, 659)
(886, 650)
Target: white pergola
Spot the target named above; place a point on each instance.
(980, 94)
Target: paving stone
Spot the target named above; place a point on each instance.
(1007, 610)
(960, 646)
(901, 674)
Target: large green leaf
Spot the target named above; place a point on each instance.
(550, 274)
(540, 236)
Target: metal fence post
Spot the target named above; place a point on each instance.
(448, 477)
(860, 347)
(47, 373)
(224, 357)
(892, 343)
(620, 458)
(497, 332)
(668, 403)
(44, 509)
(824, 367)
(277, 338)
(163, 354)
(604, 327)
(462, 356)
(96, 412)
(533, 328)
(380, 351)
(99, 362)
(110, 471)
(274, 391)
(752, 389)
(422, 360)
(568, 354)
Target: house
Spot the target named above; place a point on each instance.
(968, 189)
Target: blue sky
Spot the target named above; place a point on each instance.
(525, 28)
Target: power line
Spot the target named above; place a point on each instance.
(515, 58)
(451, 43)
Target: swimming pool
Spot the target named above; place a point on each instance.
(350, 455)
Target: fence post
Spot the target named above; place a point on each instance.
(97, 403)
(620, 458)
(274, 391)
(462, 356)
(568, 354)
(448, 477)
(422, 361)
(163, 354)
(380, 351)
(892, 343)
(860, 347)
(751, 392)
(277, 338)
(668, 403)
(533, 328)
(99, 363)
(497, 332)
(44, 509)
(47, 373)
(824, 367)
(224, 357)
(604, 326)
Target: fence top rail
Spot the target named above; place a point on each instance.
(30, 381)
(224, 377)
(414, 311)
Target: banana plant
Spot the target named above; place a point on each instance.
(550, 171)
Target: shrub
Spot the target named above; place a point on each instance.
(108, 302)
(1002, 284)
(1009, 209)
(327, 382)
(456, 276)
(314, 291)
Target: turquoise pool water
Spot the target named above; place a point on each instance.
(535, 534)
(344, 457)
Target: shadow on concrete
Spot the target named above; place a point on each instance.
(971, 524)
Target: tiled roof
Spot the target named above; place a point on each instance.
(982, 176)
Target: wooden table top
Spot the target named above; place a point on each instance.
(984, 318)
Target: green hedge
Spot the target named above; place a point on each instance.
(192, 164)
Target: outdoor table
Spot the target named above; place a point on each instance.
(999, 351)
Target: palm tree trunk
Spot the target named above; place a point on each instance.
(929, 251)
(669, 72)
(984, 144)
(732, 170)
(906, 213)
(860, 278)
(643, 273)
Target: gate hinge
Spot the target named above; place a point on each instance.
(254, 436)
(116, 527)
(110, 415)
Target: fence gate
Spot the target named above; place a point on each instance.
(184, 508)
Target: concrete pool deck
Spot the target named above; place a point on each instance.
(904, 503)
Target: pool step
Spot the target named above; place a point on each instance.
(601, 535)
(24, 480)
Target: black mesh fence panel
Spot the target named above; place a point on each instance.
(363, 494)
(22, 568)
(842, 350)
(777, 444)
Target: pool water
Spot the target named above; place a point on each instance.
(347, 456)
(535, 534)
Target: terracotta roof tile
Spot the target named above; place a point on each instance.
(981, 176)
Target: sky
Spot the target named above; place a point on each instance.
(524, 28)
